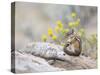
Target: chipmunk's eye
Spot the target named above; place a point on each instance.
(67, 44)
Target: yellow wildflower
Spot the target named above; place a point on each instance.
(73, 14)
(50, 32)
(54, 37)
(63, 31)
(57, 29)
(71, 24)
(44, 38)
(77, 23)
(59, 23)
(66, 30)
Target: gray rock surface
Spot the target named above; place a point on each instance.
(26, 63)
(45, 50)
(32, 59)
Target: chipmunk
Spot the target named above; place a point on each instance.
(73, 45)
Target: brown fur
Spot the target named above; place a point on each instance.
(77, 46)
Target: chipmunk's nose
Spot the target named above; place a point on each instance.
(64, 54)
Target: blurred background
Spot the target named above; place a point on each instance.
(34, 22)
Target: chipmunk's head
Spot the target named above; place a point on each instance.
(73, 44)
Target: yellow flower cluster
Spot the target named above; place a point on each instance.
(74, 24)
(44, 38)
(54, 37)
(71, 24)
(59, 26)
(50, 32)
(73, 14)
(57, 29)
(77, 23)
(65, 31)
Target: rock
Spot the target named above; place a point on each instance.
(33, 58)
(26, 63)
(77, 63)
(46, 50)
